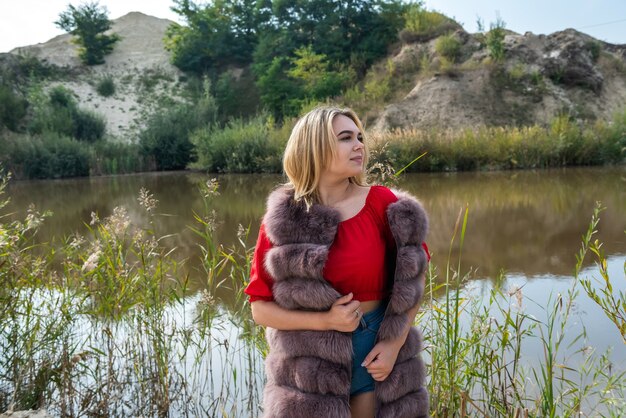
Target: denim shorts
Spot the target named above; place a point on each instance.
(363, 340)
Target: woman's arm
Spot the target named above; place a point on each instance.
(344, 315)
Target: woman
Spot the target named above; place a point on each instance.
(337, 276)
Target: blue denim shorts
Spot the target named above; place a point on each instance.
(363, 340)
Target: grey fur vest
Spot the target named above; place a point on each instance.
(309, 372)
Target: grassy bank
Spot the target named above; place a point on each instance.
(50, 155)
(564, 143)
(256, 146)
(104, 325)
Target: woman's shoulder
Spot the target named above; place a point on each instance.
(382, 195)
(379, 198)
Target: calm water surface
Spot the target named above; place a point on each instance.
(527, 222)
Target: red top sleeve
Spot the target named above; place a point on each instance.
(425, 247)
(260, 286)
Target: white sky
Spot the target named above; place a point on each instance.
(27, 22)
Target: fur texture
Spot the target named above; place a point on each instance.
(298, 292)
(287, 402)
(296, 260)
(326, 377)
(308, 372)
(328, 345)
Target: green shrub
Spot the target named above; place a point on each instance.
(87, 126)
(106, 86)
(229, 91)
(419, 20)
(12, 108)
(495, 40)
(594, 48)
(34, 68)
(240, 147)
(448, 47)
(422, 25)
(45, 156)
(378, 86)
(60, 114)
(166, 137)
(49, 117)
(51, 155)
(278, 91)
(517, 72)
(151, 77)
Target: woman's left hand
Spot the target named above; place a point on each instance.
(380, 361)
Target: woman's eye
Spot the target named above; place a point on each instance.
(360, 138)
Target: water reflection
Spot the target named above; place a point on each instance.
(528, 222)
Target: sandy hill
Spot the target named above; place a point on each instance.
(541, 76)
(140, 47)
(139, 64)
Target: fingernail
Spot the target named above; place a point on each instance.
(363, 364)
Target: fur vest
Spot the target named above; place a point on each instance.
(309, 372)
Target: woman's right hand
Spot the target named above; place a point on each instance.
(345, 314)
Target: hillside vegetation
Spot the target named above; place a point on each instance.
(220, 92)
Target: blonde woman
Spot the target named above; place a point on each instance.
(337, 276)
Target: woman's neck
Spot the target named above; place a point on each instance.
(333, 193)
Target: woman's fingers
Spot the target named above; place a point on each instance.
(345, 313)
(379, 377)
(344, 299)
(352, 306)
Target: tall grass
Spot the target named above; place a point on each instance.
(239, 147)
(105, 325)
(449, 47)
(476, 350)
(563, 143)
(51, 155)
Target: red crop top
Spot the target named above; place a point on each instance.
(357, 258)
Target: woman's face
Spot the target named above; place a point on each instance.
(349, 151)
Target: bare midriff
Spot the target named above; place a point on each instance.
(369, 305)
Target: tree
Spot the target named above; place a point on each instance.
(88, 22)
(216, 35)
(318, 80)
(328, 44)
(299, 50)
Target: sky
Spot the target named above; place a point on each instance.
(28, 22)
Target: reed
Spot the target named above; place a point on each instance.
(104, 325)
(563, 143)
(476, 350)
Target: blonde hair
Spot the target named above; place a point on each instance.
(311, 148)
